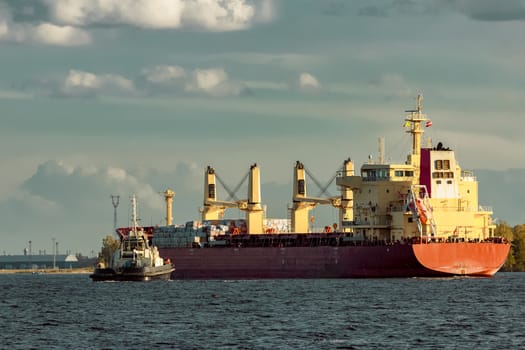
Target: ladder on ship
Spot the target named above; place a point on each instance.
(422, 209)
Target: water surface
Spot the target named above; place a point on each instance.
(70, 311)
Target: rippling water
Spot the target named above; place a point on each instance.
(71, 311)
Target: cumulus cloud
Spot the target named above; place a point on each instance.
(47, 33)
(57, 182)
(57, 22)
(163, 80)
(308, 82)
(175, 79)
(43, 33)
(214, 82)
(159, 80)
(85, 84)
(72, 203)
(164, 74)
(213, 15)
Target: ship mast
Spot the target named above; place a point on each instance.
(415, 118)
(413, 122)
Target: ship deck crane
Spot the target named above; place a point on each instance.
(302, 204)
(214, 208)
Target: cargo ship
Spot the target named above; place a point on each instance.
(417, 218)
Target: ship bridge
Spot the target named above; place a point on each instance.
(387, 172)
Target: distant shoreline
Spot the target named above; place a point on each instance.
(80, 270)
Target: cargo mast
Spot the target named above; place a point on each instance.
(168, 197)
(303, 204)
(214, 209)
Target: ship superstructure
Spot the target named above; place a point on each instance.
(429, 196)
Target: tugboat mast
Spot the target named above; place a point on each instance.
(134, 214)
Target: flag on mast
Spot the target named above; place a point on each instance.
(428, 123)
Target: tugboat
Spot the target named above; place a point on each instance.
(135, 260)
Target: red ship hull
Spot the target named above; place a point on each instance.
(371, 261)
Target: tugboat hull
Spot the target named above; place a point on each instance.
(133, 274)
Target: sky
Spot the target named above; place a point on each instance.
(102, 97)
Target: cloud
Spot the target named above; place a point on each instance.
(79, 219)
(488, 10)
(161, 80)
(372, 11)
(307, 82)
(85, 84)
(175, 79)
(42, 33)
(164, 74)
(47, 33)
(392, 84)
(57, 22)
(213, 82)
(483, 10)
(212, 15)
(57, 182)
(72, 202)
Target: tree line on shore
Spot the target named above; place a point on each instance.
(516, 236)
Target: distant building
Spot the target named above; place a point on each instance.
(41, 261)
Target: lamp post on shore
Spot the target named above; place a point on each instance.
(30, 258)
(54, 253)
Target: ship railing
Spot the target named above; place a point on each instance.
(485, 208)
(467, 175)
(377, 178)
(380, 220)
